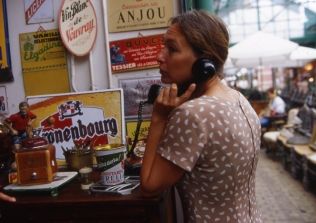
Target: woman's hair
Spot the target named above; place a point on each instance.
(207, 34)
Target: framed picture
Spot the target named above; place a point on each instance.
(136, 90)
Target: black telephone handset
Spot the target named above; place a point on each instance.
(153, 93)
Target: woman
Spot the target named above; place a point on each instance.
(206, 141)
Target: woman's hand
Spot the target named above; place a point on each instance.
(5, 197)
(167, 100)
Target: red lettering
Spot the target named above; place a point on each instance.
(33, 9)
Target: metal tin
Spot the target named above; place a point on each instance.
(110, 159)
(108, 146)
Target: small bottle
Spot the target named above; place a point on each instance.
(85, 177)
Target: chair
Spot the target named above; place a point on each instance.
(269, 138)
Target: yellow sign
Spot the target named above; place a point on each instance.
(5, 64)
(135, 15)
(131, 131)
(42, 51)
(3, 48)
(94, 118)
(43, 59)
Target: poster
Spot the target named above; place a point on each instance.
(136, 90)
(135, 53)
(136, 15)
(43, 59)
(94, 117)
(38, 11)
(5, 60)
(3, 100)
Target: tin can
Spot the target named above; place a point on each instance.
(110, 160)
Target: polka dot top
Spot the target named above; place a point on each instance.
(217, 143)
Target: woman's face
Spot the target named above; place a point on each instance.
(176, 58)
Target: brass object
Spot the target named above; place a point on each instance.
(109, 146)
(79, 156)
(77, 160)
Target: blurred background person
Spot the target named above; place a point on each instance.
(276, 108)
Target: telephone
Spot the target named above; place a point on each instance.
(133, 161)
(153, 93)
(202, 69)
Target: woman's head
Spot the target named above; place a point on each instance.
(190, 36)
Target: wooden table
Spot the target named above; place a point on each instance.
(298, 154)
(309, 171)
(75, 205)
(285, 151)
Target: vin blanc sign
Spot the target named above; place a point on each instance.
(78, 26)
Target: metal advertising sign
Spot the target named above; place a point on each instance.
(95, 117)
(78, 26)
(138, 14)
(42, 51)
(38, 11)
(42, 54)
(5, 63)
(135, 53)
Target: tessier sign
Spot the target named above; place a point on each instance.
(78, 26)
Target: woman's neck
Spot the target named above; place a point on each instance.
(201, 88)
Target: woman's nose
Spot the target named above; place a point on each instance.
(160, 57)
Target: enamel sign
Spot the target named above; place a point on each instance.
(78, 26)
(94, 118)
(135, 53)
(138, 14)
(38, 11)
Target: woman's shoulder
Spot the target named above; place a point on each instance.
(204, 105)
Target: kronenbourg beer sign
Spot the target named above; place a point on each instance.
(86, 118)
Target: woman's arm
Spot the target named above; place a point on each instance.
(5, 197)
(158, 173)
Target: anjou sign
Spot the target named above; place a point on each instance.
(138, 14)
(78, 26)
